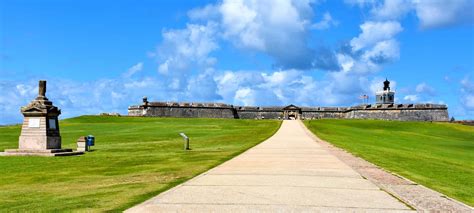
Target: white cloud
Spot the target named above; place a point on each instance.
(468, 101)
(442, 13)
(374, 32)
(467, 85)
(425, 89)
(245, 96)
(185, 48)
(13, 96)
(229, 82)
(382, 51)
(26, 90)
(325, 23)
(392, 9)
(185, 51)
(346, 62)
(163, 67)
(141, 83)
(430, 13)
(411, 98)
(134, 69)
(372, 48)
(174, 84)
(203, 87)
(285, 87)
(278, 28)
(422, 92)
(360, 3)
(239, 20)
(467, 94)
(210, 11)
(345, 88)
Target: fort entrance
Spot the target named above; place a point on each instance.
(292, 112)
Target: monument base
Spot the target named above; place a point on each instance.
(40, 142)
(46, 152)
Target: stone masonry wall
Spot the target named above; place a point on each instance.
(186, 112)
(259, 115)
(259, 112)
(402, 112)
(322, 114)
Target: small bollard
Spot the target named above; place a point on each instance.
(82, 144)
(186, 141)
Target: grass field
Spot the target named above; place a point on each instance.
(133, 160)
(437, 155)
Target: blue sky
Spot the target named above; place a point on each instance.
(102, 56)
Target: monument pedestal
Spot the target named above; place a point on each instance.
(39, 142)
(40, 130)
(46, 152)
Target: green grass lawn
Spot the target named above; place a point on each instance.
(437, 155)
(133, 160)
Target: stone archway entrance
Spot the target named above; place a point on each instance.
(291, 112)
(292, 116)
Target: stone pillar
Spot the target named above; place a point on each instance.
(42, 91)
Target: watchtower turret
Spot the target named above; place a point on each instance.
(386, 96)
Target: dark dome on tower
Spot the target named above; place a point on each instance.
(386, 85)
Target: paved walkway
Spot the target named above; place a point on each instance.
(287, 172)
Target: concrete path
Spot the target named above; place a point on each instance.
(289, 172)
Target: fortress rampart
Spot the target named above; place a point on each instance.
(183, 110)
(402, 112)
(384, 109)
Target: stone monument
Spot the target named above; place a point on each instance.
(40, 130)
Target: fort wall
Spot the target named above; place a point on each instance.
(385, 109)
(183, 110)
(402, 112)
(259, 112)
(323, 112)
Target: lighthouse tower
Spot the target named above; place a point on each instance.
(386, 96)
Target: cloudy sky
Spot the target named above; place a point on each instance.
(102, 56)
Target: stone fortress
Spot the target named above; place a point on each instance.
(385, 109)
